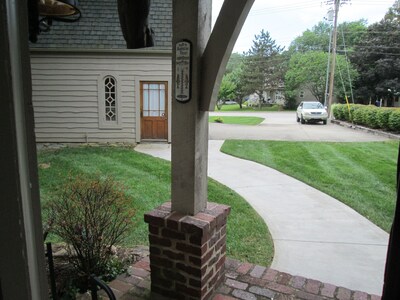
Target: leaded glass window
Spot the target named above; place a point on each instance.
(110, 97)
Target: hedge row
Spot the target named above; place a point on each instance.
(386, 118)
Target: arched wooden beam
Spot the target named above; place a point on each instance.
(219, 47)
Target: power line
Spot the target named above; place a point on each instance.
(287, 8)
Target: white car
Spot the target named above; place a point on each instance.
(311, 111)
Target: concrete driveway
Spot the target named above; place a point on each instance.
(282, 126)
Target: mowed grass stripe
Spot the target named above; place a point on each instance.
(361, 175)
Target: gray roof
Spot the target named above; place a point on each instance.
(99, 27)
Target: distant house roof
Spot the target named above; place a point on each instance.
(99, 27)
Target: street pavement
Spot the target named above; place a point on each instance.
(282, 126)
(315, 236)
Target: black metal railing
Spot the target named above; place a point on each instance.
(49, 255)
(95, 282)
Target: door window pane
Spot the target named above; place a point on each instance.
(154, 99)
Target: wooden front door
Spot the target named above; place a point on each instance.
(154, 110)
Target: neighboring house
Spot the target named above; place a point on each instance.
(305, 95)
(87, 87)
(270, 96)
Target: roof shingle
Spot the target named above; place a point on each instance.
(99, 27)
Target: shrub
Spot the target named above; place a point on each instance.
(336, 111)
(90, 216)
(357, 115)
(382, 116)
(370, 116)
(394, 120)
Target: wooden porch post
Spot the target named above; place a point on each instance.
(192, 25)
(207, 59)
(188, 236)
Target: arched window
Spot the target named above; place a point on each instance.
(109, 101)
(110, 98)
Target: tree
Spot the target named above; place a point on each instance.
(308, 70)
(377, 58)
(393, 13)
(262, 66)
(317, 39)
(227, 88)
(234, 62)
(231, 85)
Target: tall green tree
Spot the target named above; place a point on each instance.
(232, 83)
(308, 71)
(234, 62)
(377, 58)
(317, 38)
(263, 67)
(227, 89)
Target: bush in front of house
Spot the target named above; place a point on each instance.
(368, 115)
(382, 116)
(90, 216)
(357, 115)
(335, 111)
(394, 120)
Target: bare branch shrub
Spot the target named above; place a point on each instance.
(91, 216)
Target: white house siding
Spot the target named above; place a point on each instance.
(65, 92)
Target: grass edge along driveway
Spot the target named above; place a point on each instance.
(147, 182)
(235, 120)
(361, 175)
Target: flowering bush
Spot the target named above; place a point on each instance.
(91, 216)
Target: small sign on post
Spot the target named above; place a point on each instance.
(183, 71)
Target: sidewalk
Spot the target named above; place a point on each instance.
(315, 236)
(242, 281)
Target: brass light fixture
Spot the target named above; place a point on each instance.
(43, 12)
(58, 8)
(61, 10)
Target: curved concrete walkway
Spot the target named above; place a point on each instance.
(315, 236)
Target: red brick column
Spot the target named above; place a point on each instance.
(187, 253)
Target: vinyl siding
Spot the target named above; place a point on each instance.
(65, 93)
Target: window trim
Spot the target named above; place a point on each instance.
(103, 124)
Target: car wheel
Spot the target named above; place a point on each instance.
(324, 122)
(297, 118)
(302, 120)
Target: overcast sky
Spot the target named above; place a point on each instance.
(287, 19)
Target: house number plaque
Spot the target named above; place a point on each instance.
(182, 71)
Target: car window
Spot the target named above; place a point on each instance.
(312, 105)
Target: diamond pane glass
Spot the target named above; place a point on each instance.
(110, 99)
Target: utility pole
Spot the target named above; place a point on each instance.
(330, 20)
(332, 65)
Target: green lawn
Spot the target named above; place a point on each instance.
(236, 120)
(361, 175)
(147, 182)
(236, 107)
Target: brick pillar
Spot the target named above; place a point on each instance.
(187, 253)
